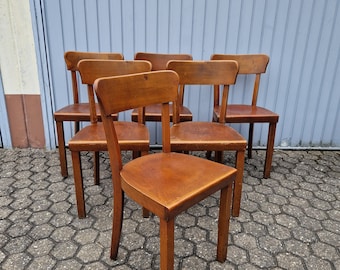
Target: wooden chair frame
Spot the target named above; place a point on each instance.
(208, 136)
(132, 136)
(162, 182)
(77, 111)
(255, 64)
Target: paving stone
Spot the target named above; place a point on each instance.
(68, 264)
(16, 261)
(86, 236)
(288, 221)
(90, 253)
(290, 261)
(2, 256)
(42, 263)
(41, 231)
(63, 234)
(64, 250)
(41, 247)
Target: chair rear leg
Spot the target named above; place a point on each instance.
(76, 126)
(146, 213)
(96, 167)
(167, 239)
(219, 156)
(250, 140)
(223, 223)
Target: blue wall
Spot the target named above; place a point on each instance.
(302, 38)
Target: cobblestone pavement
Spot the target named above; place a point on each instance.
(289, 221)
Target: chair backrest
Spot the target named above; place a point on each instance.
(114, 96)
(206, 73)
(160, 60)
(72, 59)
(248, 64)
(92, 69)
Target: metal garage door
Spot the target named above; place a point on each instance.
(301, 37)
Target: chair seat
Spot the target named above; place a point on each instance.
(77, 112)
(153, 113)
(160, 181)
(200, 136)
(131, 136)
(241, 113)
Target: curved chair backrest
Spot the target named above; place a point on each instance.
(248, 64)
(92, 69)
(114, 96)
(72, 59)
(160, 60)
(206, 73)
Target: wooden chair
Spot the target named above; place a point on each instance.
(209, 136)
(76, 112)
(159, 61)
(255, 64)
(165, 183)
(132, 136)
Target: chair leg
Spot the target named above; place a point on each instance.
(270, 150)
(167, 239)
(223, 223)
(238, 183)
(117, 220)
(219, 156)
(250, 139)
(136, 154)
(76, 127)
(61, 148)
(78, 183)
(146, 212)
(96, 167)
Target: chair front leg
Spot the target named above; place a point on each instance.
(61, 148)
(223, 223)
(78, 183)
(167, 239)
(270, 150)
(238, 183)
